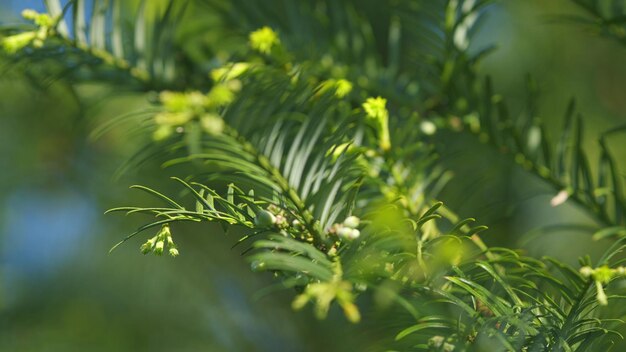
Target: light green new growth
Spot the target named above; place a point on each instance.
(293, 148)
(263, 40)
(376, 111)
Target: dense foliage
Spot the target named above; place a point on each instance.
(312, 134)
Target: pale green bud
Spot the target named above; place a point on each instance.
(603, 274)
(263, 40)
(600, 295)
(360, 287)
(343, 88)
(560, 198)
(436, 341)
(196, 99)
(354, 234)
(376, 111)
(586, 271)
(30, 14)
(158, 248)
(162, 132)
(300, 301)
(343, 231)
(219, 95)
(352, 312)
(264, 218)
(428, 127)
(17, 42)
(348, 233)
(448, 347)
(165, 231)
(37, 43)
(212, 124)
(174, 101)
(147, 247)
(281, 221)
(44, 20)
(234, 85)
(173, 252)
(439, 343)
(351, 222)
(173, 118)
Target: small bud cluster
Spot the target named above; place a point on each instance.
(375, 108)
(428, 127)
(348, 229)
(159, 242)
(186, 110)
(273, 217)
(17, 42)
(376, 111)
(264, 219)
(439, 342)
(602, 276)
(264, 40)
(282, 222)
(323, 293)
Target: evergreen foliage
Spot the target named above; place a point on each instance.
(308, 133)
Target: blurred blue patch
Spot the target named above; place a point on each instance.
(19, 5)
(42, 230)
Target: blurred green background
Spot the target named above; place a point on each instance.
(60, 290)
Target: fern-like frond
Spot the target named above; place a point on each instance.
(603, 17)
(564, 164)
(291, 141)
(111, 38)
(236, 208)
(516, 303)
